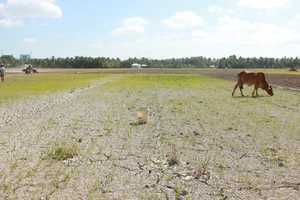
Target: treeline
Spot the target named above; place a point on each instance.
(192, 62)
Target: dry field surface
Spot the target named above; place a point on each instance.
(200, 143)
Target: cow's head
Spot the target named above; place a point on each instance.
(270, 91)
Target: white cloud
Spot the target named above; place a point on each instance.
(231, 36)
(37, 23)
(217, 9)
(235, 31)
(200, 34)
(10, 23)
(134, 25)
(29, 40)
(183, 20)
(129, 30)
(238, 34)
(294, 21)
(263, 3)
(234, 36)
(167, 37)
(134, 21)
(30, 8)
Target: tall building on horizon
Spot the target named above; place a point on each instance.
(25, 57)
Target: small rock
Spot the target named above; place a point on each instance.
(280, 164)
(184, 192)
(188, 178)
(65, 161)
(196, 133)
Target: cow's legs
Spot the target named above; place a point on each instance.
(235, 88)
(255, 90)
(237, 85)
(241, 89)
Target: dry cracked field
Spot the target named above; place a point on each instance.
(200, 142)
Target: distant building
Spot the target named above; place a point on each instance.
(25, 57)
(136, 65)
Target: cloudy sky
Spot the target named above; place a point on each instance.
(156, 29)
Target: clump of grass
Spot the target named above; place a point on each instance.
(173, 158)
(135, 124)
(63, 152)
(203, 171)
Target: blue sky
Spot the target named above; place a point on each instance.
(156, 29)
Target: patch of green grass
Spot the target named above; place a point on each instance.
(19, 87)
(63, 152)
(143, 82)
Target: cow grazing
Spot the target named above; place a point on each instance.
(253, 78)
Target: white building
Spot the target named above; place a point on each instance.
(25, 57)
(136, 65)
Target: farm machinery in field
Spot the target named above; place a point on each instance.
(29, 70)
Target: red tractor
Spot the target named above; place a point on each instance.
(30, 70)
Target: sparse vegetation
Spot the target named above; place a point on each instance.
(173, 158)
(200, 143)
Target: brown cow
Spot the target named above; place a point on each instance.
(253, 78)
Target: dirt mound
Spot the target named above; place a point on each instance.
(293, 70)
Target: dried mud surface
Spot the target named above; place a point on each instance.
(180, 154)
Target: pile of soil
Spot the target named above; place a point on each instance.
(293, 70)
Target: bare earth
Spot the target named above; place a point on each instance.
(180, 154)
